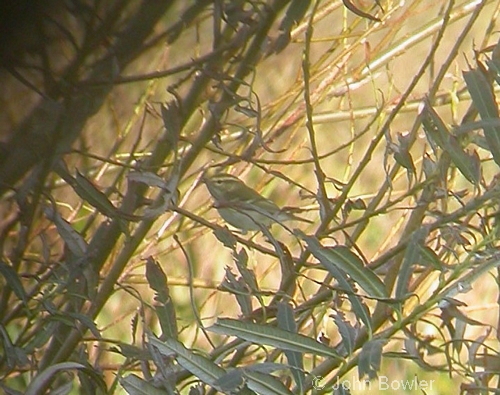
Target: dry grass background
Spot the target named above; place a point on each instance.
(353, 75)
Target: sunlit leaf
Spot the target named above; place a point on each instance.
(275, 337)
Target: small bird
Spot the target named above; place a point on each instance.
(241, 206)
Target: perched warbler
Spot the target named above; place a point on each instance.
(241, 206)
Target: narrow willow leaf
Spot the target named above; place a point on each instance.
(494, 66)
(473, 349)
(12, 280)
(134, 385)
(438, 132)
(74, 240)
(350, 263)
(130, 351)
(43, 378)
(359, 308)
(170, 114)
(286, 321)
(157, 280)
(225, 237)
(168, 319)
(402, 152)
(93, 196)
(199, 366)
(239, 289)
(247, 275)
(294, 13)
(469, 165)
(267, 367)
(286, 318)
(435, 129)
(164, 364)
(275, 337)
(481, 92)
(412, 254)
(370, 358)
(42, 336)
(429, 166)
(265, 384)
(86, 321)
(12, 355)
(347, 333)
(430, 257)
(231, 382)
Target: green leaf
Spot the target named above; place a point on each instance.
(481, 92)
(294, 13)
(170, 114)
(286, 321)
(265, 384)
(370, 358)
(201, 367)
(12, 280)
(345, 260)
(231, 382)
(239, 289)
(225, 237)
(43, 378)
(412, 254)
(134, 385)
(347, 332)
(86, 321)
(358, 306)
(275, 337)
(469, 165)
(168, 319)
(74, 240)
(93, 196)
(157, 280)
(437, 131)
(430, 257)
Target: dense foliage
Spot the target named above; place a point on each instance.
(375, 122)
